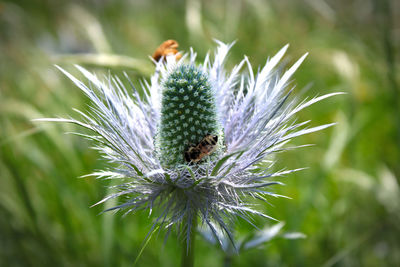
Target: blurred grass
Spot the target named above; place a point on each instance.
(347, 202)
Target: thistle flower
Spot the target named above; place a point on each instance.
(145, 137)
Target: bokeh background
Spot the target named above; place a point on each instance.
(347, 202)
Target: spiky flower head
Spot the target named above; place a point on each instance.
(146, 138)
(188, 113)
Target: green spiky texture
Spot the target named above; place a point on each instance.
(188, 113)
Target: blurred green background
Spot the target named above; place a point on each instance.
(347, 202)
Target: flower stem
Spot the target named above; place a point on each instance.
(188, 248)
(228, 261)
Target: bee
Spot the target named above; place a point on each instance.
(206, 146)
(167, 48)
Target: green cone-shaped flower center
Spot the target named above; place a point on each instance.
(188, 114)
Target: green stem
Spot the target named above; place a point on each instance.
(228, 261)
(188, 249)
(228, 258)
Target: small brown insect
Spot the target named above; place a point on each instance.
(167, 48)
(206, 146)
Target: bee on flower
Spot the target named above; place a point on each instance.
(167, 48)
(194, 149)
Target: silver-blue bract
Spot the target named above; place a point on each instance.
(256, 116)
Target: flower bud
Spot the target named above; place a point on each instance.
(188, 114)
